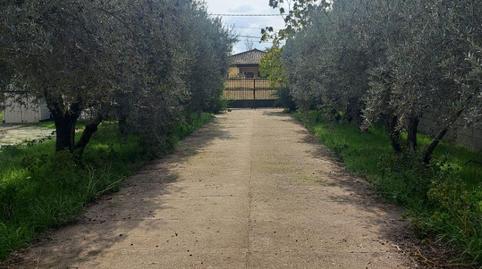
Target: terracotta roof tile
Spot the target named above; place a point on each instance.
(248, 57)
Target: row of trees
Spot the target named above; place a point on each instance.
(144, 63)
(390, 61)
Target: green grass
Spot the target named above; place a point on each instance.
(1, 117)
(444, 200)
(40, 189)
(50, 124)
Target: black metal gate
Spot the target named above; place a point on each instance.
(249, 93)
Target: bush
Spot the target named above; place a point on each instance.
(285, 99)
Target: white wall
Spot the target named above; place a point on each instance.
(23, 109)
(44, 110)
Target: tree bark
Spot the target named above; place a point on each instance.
(354, 111)
(412, 130)
(122, 124)
(89, 131)
(65, 132)
(394, 133)
(427, 154)
(65, 120)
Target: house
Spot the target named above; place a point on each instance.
(20, 108)
(245, 64)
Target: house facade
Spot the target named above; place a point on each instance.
(245, 64)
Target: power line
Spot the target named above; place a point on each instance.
(249, 36)
(243, 27)
(244, 15)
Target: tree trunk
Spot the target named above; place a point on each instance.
(65, 132)
(394, 133)
(354, 111)
(65, 120)
(412, 130)
(87, 134)
(427, 155)
(122, 124)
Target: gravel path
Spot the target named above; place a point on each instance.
(13, 135)
(251, 190)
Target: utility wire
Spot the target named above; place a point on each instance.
(245, 28)
(249, 36)
(244, 15)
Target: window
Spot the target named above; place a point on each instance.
(248, 74)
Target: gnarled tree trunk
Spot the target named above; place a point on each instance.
(412, 130)
(65, 132)
(394, 133)
(87, 134)
(66, 118)
(428, 152)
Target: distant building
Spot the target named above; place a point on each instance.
(245, 64)
(20, 108)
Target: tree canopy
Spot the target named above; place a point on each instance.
(143, 63)
(387, 61)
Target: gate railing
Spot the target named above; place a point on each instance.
(249, 89)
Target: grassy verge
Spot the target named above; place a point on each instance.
(443, 200)
(50, 124)
(41, 190)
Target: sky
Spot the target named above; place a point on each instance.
(246, 26)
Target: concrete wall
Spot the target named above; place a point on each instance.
(44, 110)
(23, 109)
(470, 137)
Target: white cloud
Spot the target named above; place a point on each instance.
(246, 26)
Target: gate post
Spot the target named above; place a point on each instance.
(254, 93)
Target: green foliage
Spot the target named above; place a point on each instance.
(285, 99)
(40, 189)
(296, 14)
(443, 199)
(220, 105)
(395, 62)
(273, 69)
(144, 63)
(51, 125)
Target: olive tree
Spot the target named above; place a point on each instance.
(430, 69)
(395, 62)
(332, 60)
(65, 52)
(144, 63)
(208, 45)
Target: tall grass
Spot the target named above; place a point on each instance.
(40, 189)
(444, 200)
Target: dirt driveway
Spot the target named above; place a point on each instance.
(13, 135)
(250, 190)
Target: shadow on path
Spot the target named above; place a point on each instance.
(108, 221)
